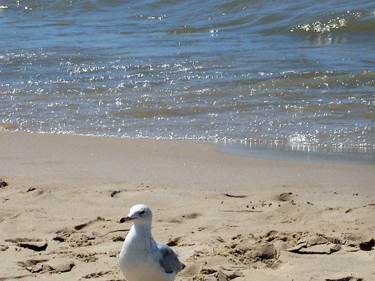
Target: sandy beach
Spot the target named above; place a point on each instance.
(228, 217)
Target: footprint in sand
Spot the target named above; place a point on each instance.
(125, 192)
(32, 244)
(96, 274)
(58, 265)
(192, 216)
(287, 196)
(98, 223)
(3, 183)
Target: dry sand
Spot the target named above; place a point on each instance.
(228, 217)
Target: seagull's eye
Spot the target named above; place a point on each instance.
(142, 212)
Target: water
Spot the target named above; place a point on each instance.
(272, 72)
(304, 153)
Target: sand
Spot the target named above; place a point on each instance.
(228, 217)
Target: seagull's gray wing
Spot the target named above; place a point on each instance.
(169, 259)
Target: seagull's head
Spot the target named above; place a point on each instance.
(139, 214)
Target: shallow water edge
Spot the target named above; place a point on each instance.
(273, 151)
(305, 153)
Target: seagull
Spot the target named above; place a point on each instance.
(141, 257)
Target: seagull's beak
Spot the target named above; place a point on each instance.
(125, 219)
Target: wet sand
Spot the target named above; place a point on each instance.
(228, 217)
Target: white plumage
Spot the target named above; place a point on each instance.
(141, 257)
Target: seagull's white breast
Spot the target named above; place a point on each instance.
(139, 259)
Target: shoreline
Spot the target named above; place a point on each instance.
(216, 209)
(302, 153)
(331, 154)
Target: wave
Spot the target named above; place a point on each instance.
(239, 16)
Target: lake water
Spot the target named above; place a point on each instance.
(290, 73)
